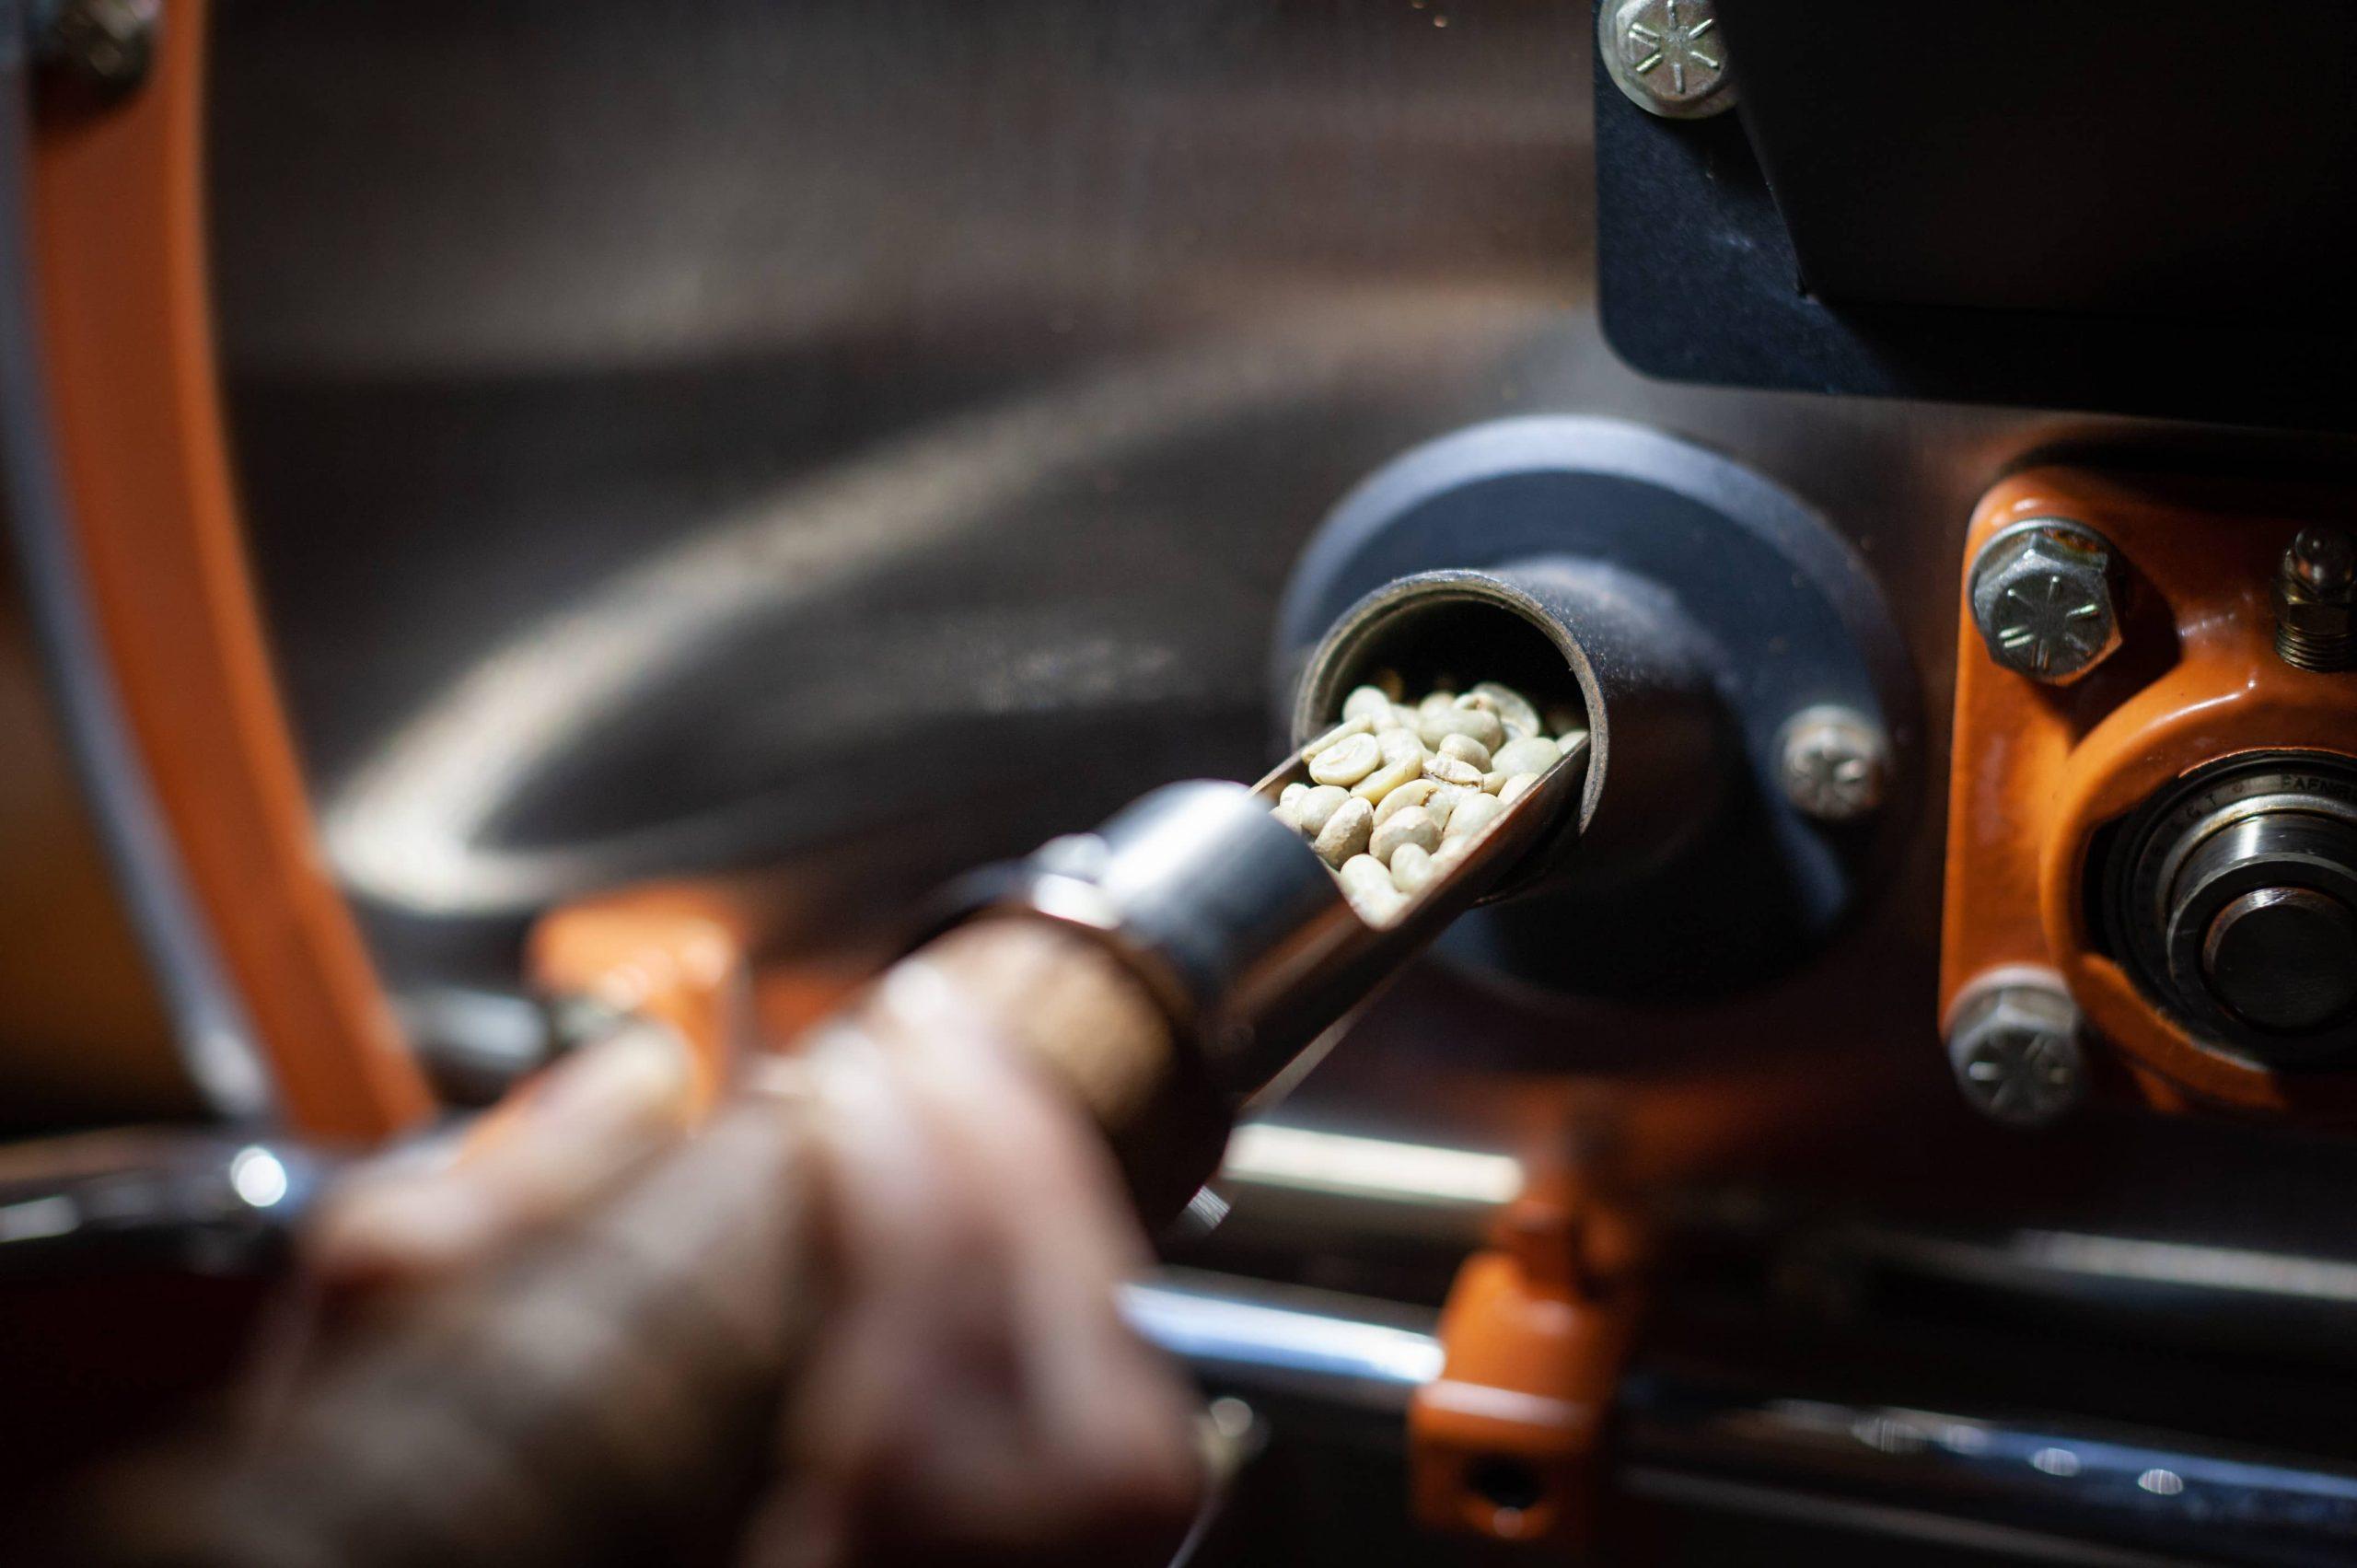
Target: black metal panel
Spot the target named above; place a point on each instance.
(2049, 204)
(2178, 158)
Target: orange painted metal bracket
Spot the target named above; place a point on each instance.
(675, 952)
(1507, 1443)
(118, 225)
(2038, 771)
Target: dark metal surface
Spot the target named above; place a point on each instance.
(1897, 142)
(725, 396)
(2021, 202)
(1028, 491)
(2029, 1491)
(2283, 958)
(871, 436)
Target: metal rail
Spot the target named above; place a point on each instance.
(2052, 1490)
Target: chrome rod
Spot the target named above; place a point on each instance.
(2055, 1488)
(1259, 1338)
(2183, 1498)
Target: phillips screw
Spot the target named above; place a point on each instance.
(1665, 56)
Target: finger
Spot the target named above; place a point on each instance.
(908, 1325)
(922, 1316)
(1099, 1450)
(571, 1136)
(982, 1397)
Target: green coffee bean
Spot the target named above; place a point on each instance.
(1368, 887)
(1534, 755)
(1348, 761)
(1415, 792)
(1466, 750)
(1411, 868)
(1511, 706)
(1402, 792)
(1346, 832)
(1337, 735)
(1449, 771)
(1413, 826)
(1474, 814)
(1317, 805)
(1403, 759)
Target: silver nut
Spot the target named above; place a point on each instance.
(2323, 564)
(1667, 56)
(2042, 597)
(2316, 601)
(2016, 1050)
(1834, 763)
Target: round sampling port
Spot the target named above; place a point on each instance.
(1577, 643)
(1689, 610)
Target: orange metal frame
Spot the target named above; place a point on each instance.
(680, 953)
(2038, 769)
(1536, 1332)
(119, 225)
(118, 222)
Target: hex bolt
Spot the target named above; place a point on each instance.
(2043, 597)
(1665, 56)
(2013, 1043)
(2316, 601)
(1834, 763)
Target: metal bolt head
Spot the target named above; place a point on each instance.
(2316, 601)
(110, 45)
(1834, 763)
(2042, 597)
(2016, 1050)
(2322, 561)
(1668, 57)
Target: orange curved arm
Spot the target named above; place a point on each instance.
(118, 222)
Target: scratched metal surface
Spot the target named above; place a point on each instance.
(871, 436)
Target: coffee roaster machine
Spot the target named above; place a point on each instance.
(479, 475)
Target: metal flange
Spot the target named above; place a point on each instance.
(1663, 549)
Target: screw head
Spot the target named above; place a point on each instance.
(2014, 1048)
(2042, 597)
(1667, 56)
(1834, 763)
(110, 45)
